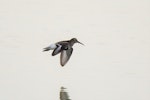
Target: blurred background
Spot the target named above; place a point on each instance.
(114, 64)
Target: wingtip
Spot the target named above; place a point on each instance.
(62, 64)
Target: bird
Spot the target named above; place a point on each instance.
(65, 48)
(63, 94)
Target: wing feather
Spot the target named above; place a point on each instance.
(65, 56)
(57, 50)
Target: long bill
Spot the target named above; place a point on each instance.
(80, 42)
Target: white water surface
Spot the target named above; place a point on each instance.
(114, 64)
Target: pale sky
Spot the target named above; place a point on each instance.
(114, 64)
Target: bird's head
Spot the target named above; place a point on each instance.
(63, 87)
(74, 40)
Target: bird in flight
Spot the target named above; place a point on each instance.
(63, 47)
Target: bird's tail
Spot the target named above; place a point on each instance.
(51, 47)
(46, 49)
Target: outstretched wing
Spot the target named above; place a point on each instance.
(60, 46)
(57, 50)
(65, 56)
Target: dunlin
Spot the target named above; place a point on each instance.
(63, 47)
